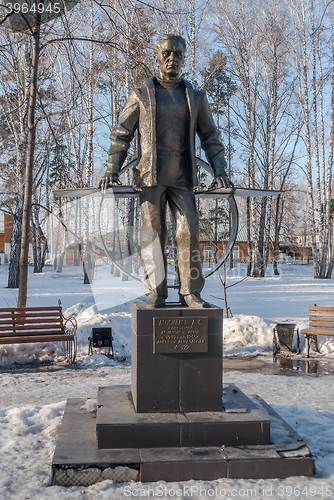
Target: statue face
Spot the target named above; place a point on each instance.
(170, 58)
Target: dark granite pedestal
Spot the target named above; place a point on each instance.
(175, 382)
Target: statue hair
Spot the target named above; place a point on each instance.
(161, 39)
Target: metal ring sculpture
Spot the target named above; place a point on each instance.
(232, 236)
(234, 223)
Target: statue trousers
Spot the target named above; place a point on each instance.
(172, 188)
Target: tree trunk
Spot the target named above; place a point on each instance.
(128, 234)
(23, 278)
(88, 243)
(229, 172)
(76, 260)
(276, 248)
(174, 250)
(61, 255)
(33, 242)
(328, 216)
(249, 241)
(315, 134)
(15, 247)
(192, 23)
(36, 238)
(331, 249)
(261, 234)
(117, 248)
(136, 262)
(307, 119)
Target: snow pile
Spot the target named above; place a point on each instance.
(27, 441)
(119, 320)
(27, 353)
(326, 347)
(250, 335)
(244, 334)
(320, 439)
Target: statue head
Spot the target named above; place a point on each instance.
(169, 55)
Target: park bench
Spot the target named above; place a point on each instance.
(20, 325)
(321, 322)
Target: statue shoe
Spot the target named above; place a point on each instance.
(194, 300)
(155, 301)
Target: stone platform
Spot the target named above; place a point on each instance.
(78, 461)
(119, 426)
(176, 422)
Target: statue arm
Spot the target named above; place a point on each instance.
(211, 143)
(121, 137)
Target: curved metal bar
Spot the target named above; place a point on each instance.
(105, 246)
(231, 241)
(233, 235)
(234, 220)
(205, 165)
(127, 166)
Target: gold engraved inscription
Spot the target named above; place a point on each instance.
(180, 335)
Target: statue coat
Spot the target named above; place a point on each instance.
(140, 113)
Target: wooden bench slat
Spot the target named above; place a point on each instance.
(28, 309)
(322, 320)
(321, 324)
(22, 326)
(30, 315)
(321, 317)
(329, 332)
(29, 322)
(15, 333)
(316, 308)
(321, 314)
(33, 339)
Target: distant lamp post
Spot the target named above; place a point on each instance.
(28, 16)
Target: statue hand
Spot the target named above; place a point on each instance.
(221, 181)
(108, 180)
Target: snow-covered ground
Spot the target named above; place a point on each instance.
(33, 396)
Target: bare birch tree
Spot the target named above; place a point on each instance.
(256, 48)
(313, 51)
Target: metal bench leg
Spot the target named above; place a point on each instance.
(90, 346)
(276, 347)
(308, 345)
(315, 343)
(70, 350)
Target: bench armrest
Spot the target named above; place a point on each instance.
(70, 324)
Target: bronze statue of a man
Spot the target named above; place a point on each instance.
(168, 112)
